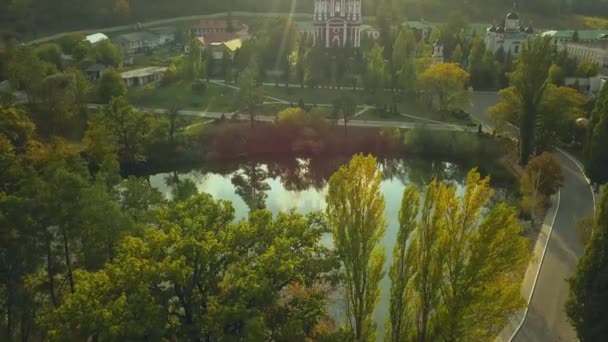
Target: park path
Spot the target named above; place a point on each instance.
(555, 252)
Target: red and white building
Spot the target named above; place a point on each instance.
(337, 23)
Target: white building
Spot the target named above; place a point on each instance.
(596, 53)
(508, 37)
(95, 38)
(337, 23)
(137, 42)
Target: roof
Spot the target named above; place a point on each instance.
(418, 25)
(512, 16)
(136, 37)
(234, 44)
(221, 24)
(143, 72)
(223, 37)
(96, 67)
(582, 34)
(95, 38)
(163, 30)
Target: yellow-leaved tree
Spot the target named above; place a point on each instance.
(355, 209)
(458, 264)
(445, 85)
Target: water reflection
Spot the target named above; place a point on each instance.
(301, 185)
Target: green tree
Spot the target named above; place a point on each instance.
(376, 75)
(586, 305)
(134, 130)
(249, 95)
(556, 75)
(596, 155)
(111, 85)
(530, 81)
(26, 71)
(457, 54)
(107, 53)
(194, 62)
(50, 53)
(355, 208)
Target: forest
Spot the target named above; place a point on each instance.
(41, 16)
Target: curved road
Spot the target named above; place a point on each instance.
(546, 319)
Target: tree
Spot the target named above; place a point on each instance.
(596, 155)
(111, 85)
(194, 63)
(587, 69)
(586, 304)
(107, 53)
(556, 114)
(376, 75)
(400, 271)
(530, 81)
(346, 107)
(457, 54)
(541, 179)
(355, 209)
(445, 84)
(249, 95)
(556, 75)
(50, 53)
(134, 130)
(26, 71)
(456, 252)
(57, 94)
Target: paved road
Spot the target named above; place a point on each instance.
(546, 319)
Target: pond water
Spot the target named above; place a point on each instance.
(301, 185)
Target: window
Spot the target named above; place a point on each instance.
(516, 49)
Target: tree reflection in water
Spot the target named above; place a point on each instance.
(251, 185)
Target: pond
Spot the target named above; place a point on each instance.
(301, 185)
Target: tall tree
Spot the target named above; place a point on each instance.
(530, 81)
(586, 306)
(401, 271)
(355, 208)
(377, 72)
(456, 271)
(249, 95)
(596, 155)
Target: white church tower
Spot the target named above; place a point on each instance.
(337, 23)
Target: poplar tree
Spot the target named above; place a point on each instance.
(355, 209)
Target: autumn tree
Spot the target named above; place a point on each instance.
(541, 179)
(556, 114)
(586, 306)
(401, 271)
(355, 208)
(443, 264)
(529, 81)
(445, 83)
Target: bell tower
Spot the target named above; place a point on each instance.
(337, 23)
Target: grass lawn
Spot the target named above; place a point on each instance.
(318, 95)
(215, 99)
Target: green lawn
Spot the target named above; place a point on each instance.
(318, 95)
(215, 99)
